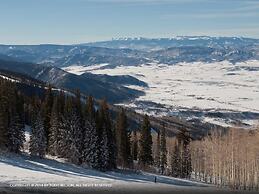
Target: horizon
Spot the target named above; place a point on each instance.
(31, 22)
(132, 38)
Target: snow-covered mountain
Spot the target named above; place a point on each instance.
(132, 52)
(213, 79)
(110, 87)
(178, 41)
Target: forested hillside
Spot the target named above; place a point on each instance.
(84, 133)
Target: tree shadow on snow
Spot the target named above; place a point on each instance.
(69, 170)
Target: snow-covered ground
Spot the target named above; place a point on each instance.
(205, 86)
(79, 69)
(9, 79)
(24, 171)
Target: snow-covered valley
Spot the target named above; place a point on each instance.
(212, 87)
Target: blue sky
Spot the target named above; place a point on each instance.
(78, 21)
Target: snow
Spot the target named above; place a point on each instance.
(25, 171)
(9, 79)
(79, 69)
(220, 86)
(22, 170)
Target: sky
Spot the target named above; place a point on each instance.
(81, 21)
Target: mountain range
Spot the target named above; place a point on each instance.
(52, 63)
(138, 51)
(101, 86)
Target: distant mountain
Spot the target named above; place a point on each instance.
(66, 55)
(108, 87)
(137, 51)
(30, 86)
(179, 41)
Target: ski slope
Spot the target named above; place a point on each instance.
(22, 171)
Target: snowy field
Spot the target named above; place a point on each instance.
(220, 86)
(23, 172)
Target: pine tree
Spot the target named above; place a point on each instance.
(73, 136)
(78, 104)
(123, 140)
(3, 123)
(11, 118)
(90, 113)
(184, 138)
(63, 143)
(187, 165)
(176, 161)
(104, 123)
(38, 140)
(163, 152)
(157, 151)
(134, 149)
(16, 135)
(46, 111)
(61, 103)
(105, 159)
(145, 155)
(181, 166)
(4, 114)
(91, 148)
(54, 133)
(65, 129)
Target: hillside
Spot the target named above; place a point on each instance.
(33, 87)
(109, 87)
(22, 170)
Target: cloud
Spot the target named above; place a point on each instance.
(245, 9)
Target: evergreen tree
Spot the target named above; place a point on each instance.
(16, 135)
(54, 135)
(181, 166)
(187, 164)
(163, 152)
(176, 161)
(3, 122)
(184, 139)
(134, 148)
(61, 103)
(38, 140)
(105, 159)
(65, 129)
(124, 157)
(90, 113)
(46, 111)
(78, 104)
(157, 151)
(104, 125)
(73, 137)
(11, 118)
(145, 155)
(63, 143)
(91, 149)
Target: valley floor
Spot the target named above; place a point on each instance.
(22, 174)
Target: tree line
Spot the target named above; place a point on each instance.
(228, 159)
(64, 125)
